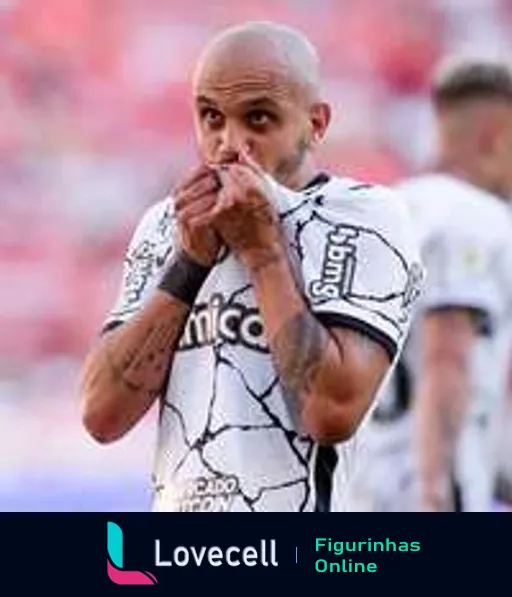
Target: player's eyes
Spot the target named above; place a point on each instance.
(210, 116)
(259, 119)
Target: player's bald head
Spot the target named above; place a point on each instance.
(260, 52)
(257, 89)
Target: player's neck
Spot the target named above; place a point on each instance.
(472, 177)
(303, 176)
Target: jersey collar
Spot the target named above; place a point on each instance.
(319, 179)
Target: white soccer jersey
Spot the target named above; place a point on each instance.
(227, 439)
(466, 245)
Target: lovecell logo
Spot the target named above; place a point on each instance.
(116, 573)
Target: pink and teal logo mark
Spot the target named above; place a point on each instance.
(116, 571)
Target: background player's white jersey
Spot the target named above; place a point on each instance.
(504, 457)
(228, 438)
(466, 244)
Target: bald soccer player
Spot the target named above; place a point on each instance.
(432, 442)
(263, 303)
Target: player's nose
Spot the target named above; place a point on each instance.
(232, 141)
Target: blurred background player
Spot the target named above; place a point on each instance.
(503, 487)
(432, 442)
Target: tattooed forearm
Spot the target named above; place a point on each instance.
(140, 368)
(263, 259)
(127, 370)
(298, 348)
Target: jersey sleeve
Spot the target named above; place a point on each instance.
(361, 266)
(461, 274)
(148, 251)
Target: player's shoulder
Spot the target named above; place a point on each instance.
(457, 200)
(425, 183)
(341, 187)
(373, 214)
(154, 213)
(155, 222)
(374, 204)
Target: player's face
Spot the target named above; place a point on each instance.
(255, 109)
(506, 153)
(500, 126)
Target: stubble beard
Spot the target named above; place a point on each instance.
(287, 169)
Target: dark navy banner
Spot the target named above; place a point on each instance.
(73, 554)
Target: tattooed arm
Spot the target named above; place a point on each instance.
(330, 374)
(440, 404)
(126, 371)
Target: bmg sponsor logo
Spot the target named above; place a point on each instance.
(339, 265)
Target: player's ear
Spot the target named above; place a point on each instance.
(320, 118)
(492, 134)
(501, 141)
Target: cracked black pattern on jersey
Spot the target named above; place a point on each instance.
(369, 231)
(300, 448)
(369, 301)
(292, 210)
(142, 264)
(164, 226)
(212, 436)
(207, 435)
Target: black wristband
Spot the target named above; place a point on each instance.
(184, 278)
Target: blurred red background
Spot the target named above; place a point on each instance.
(95, 125)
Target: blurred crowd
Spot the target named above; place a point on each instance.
(95, 125)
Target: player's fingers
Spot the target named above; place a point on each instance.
(243, 177)
(246, 174)
(225, 208)
(204, 186)
(249, 184)
(247, 159)
(223, 203)
(201, 205)
(230, 180)
(230, 192)
(205, 219)
(197, 174)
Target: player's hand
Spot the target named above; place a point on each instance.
(193, 199)
(244, 215)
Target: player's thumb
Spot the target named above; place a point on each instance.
(247, 158)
